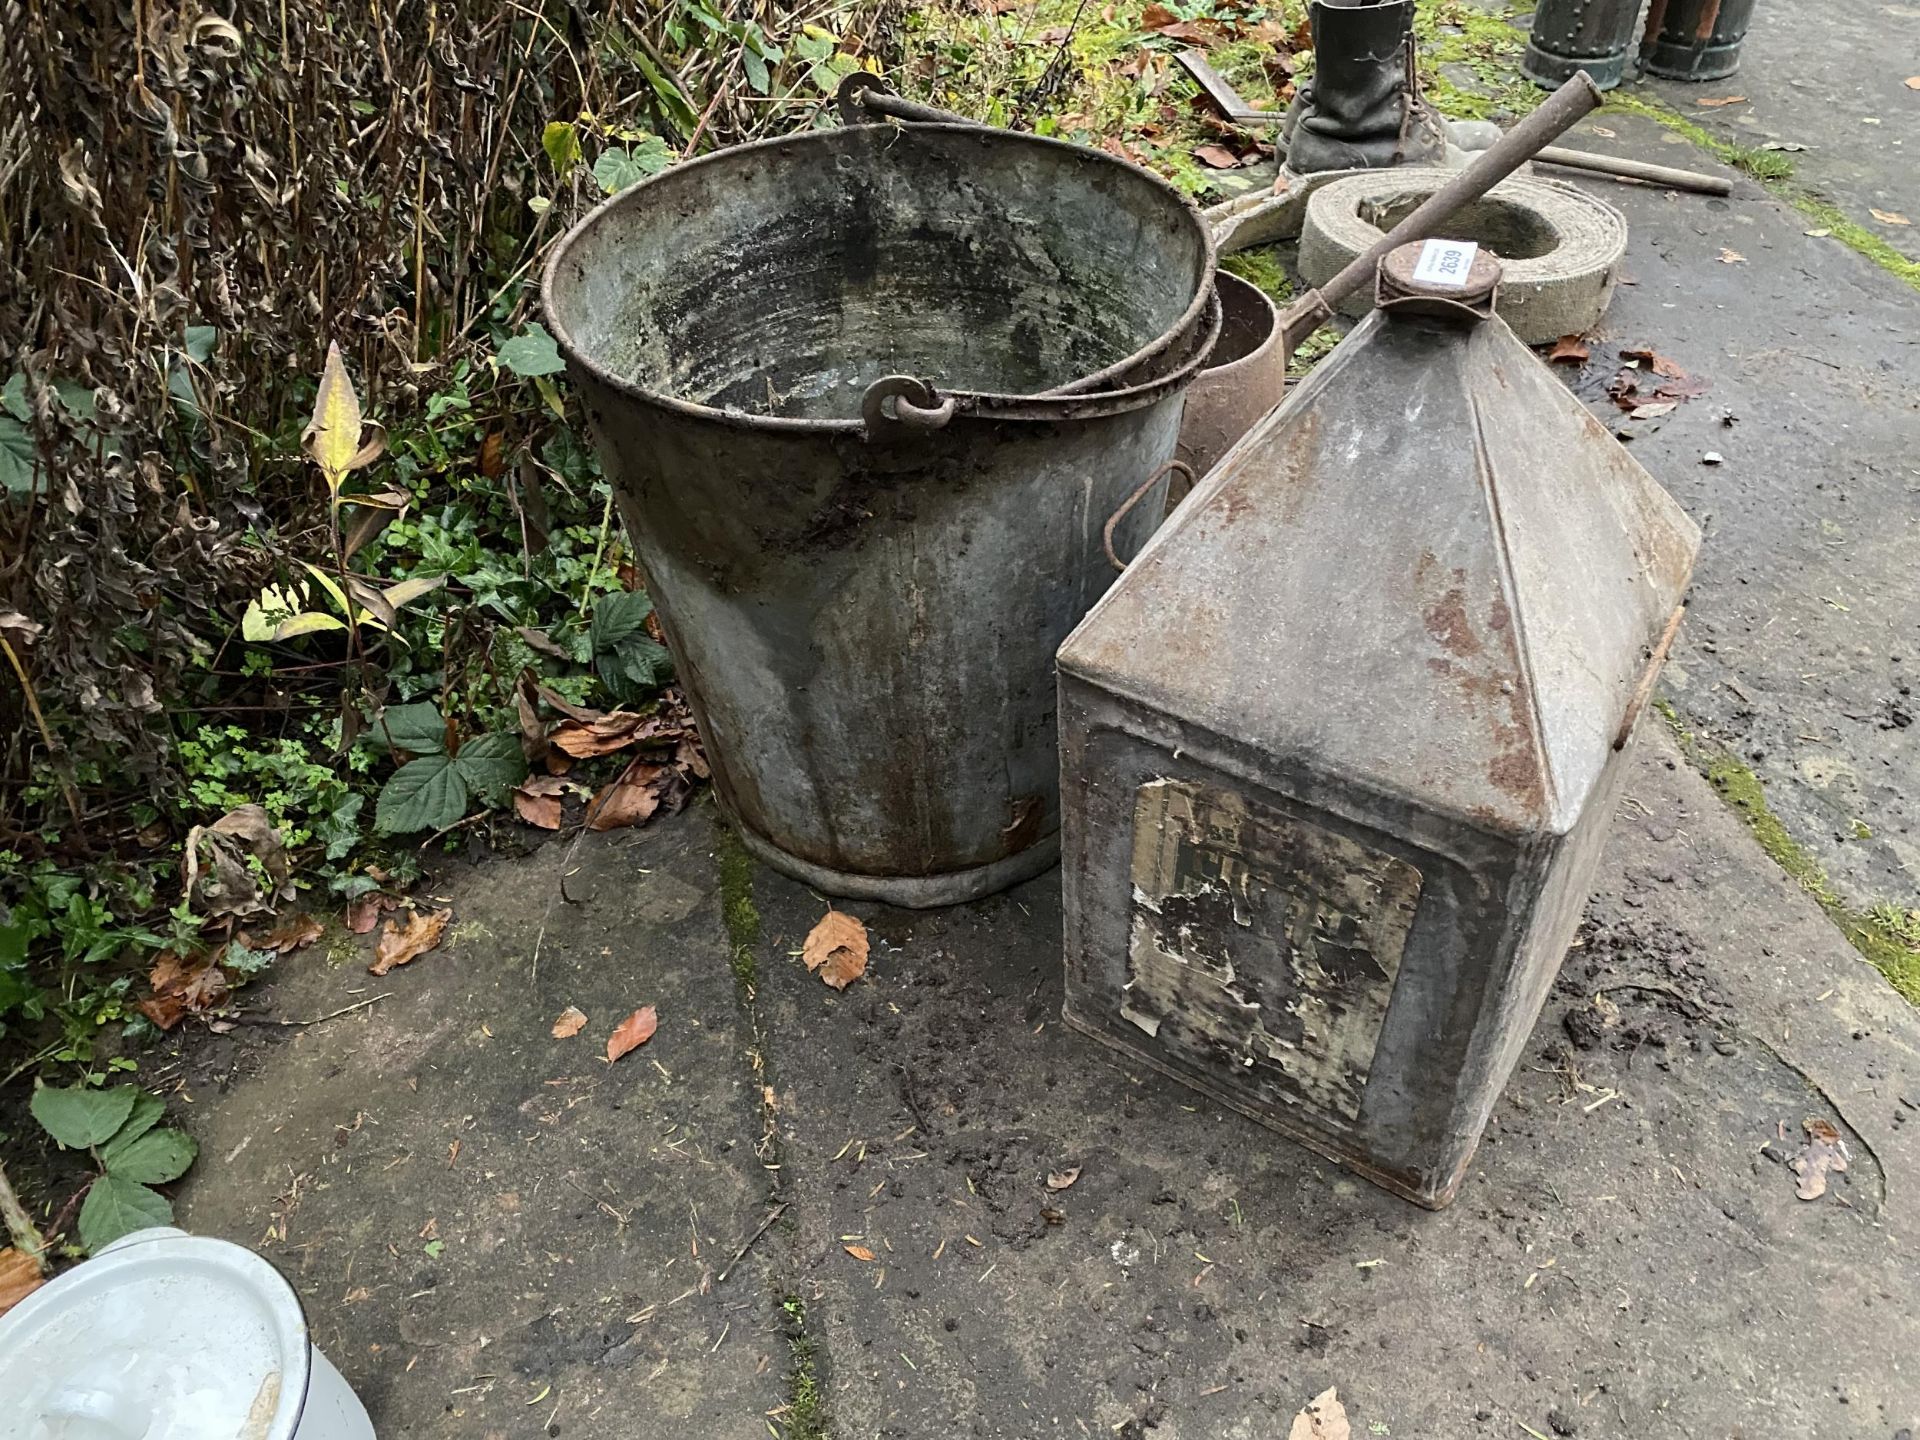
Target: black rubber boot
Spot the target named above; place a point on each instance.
(1362, 109)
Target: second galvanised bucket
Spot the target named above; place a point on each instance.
(866, 397)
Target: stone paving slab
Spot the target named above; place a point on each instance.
(495, 1232)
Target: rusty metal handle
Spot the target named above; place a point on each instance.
(916, 405)
(1644, 690)
(1555, 115)
(1126, 505)
(863, 97)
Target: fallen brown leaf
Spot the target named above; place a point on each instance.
(401, 944)
(836, 949)
(1714, 102)
(1569, 350)
(585, 739)
(183, 987)
(858, 1252)
(215, 869)
(1218, 156)
(629, 800)
(293, 933)
(632, 1032)
(1912, 82)
(1825, 1153)
(1061, 1179)
(1656, 362)
(1154, 16)
(1888, 217)
(1194, 32)
(1325, 1418)
(533, 730)
(364, 911)
(19, 1278)
(1652, 411)
(1731, 257)
(569, 1023)
(536, 800)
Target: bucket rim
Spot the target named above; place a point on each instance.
(1073, 397)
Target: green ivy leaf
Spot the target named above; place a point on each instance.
(13, 397)
(18, 460)
(340, 831)
(151, 1159)
(532, 352)
(424, 794)
(116, 1206)
(78, 400)
(490, 764)
(199, 342)
(78, 1117)
(418, 729)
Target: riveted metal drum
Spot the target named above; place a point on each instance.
(1695, 39)
(1573, 35)
(866, 397)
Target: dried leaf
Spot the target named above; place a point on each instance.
(1218, 156)
(1714, 102)
(1656, 362)
(19, 1278)
(1652, 411)
(1325, 1418)
(1731, 257)
(632, 1032)
(1825, 1153)
(215, 874)
(1569, 350)
(1888, 217)
(570, 1022)
(402, 944)
(1154, 16)
(836, 949)
(537, 800)
(364, 911)
(599, 737)
(1194, 32)
(1912, 82)
(293, 933)
(629, 800)
(1061, 1179)
(858, 1252)
(183, 987)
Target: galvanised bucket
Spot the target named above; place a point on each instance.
(866, 397)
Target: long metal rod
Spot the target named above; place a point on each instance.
(1555, 116)
(1615, 168)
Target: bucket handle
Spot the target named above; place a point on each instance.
(1126, 505)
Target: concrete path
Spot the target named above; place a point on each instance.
(1802, 646)
(1628, 1257)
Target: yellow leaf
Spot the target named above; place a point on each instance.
(858, 1252)
(333, 437)
(306, 623)
(1888, 217)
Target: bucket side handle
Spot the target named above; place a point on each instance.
(1126, 505)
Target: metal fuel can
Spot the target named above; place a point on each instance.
(1340, 749)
